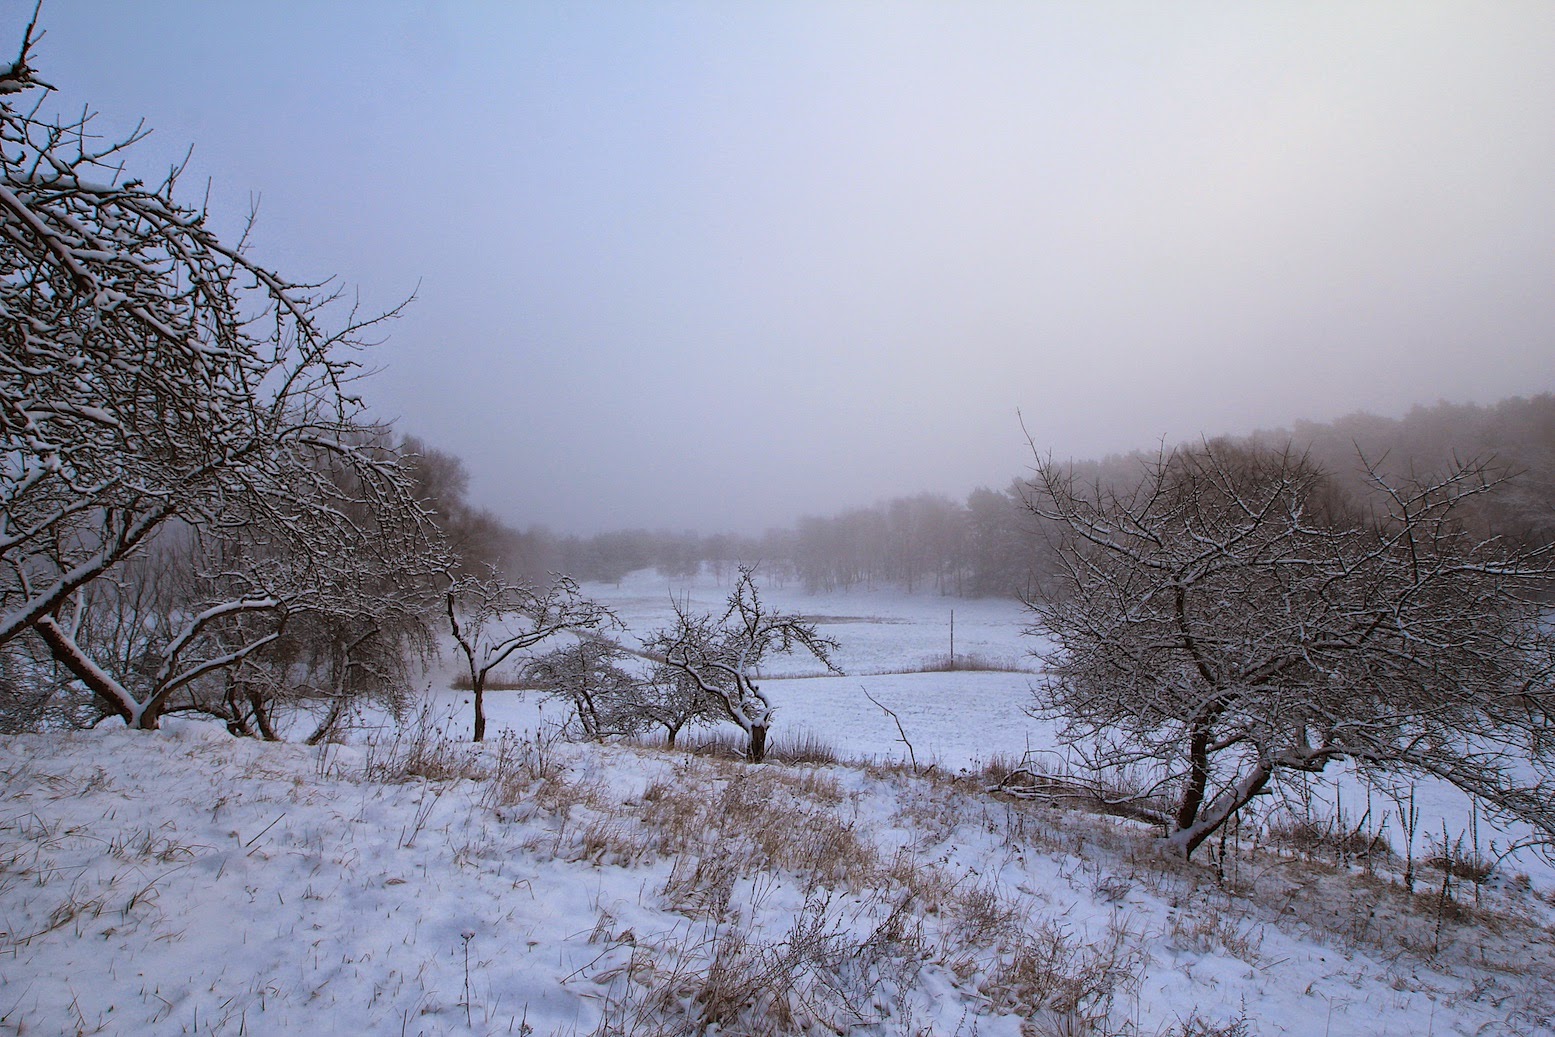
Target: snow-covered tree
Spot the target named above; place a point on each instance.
(589, 677)
(492, 618)
(359, 569)
(722, 655)
(671, 698)
(608, 697)
(1231, 618)
(307, 604)
(153, 376)
(146, 367)
(160, 627)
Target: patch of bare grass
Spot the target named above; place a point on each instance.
(773, 819)
(1326, 836)
(971, 662)
(499, 680)
(734, 834)
(1459, 858)
(795, 747)
(527, 773)
(417, 749)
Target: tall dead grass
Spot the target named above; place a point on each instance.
(794, 918)
(793, 747)
(738, 840)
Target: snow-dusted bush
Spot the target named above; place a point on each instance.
(587, 676)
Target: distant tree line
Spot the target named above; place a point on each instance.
(1515, 437)
(924, 543)
(929, 543)
(992, 544)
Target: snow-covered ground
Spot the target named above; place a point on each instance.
(187, 882)
(960, 719)
(963, 719)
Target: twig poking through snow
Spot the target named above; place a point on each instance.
(265, 829)
(911, 756)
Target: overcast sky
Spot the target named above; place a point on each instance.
(718, 265)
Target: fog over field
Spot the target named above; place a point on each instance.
(703, 518)
(719, 266)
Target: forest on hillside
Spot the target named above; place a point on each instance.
(991, 543)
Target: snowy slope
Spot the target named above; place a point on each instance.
(187, 882)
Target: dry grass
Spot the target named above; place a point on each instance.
(792, 747)
(416, 750)
(499, 680)
(791, 912)
(730, 837)
(735, 836)
(971, 662)
(771, 819)
(704, 977)
(1319, 837)
(1458, 857)
(1235, 889)
(1195, 1026)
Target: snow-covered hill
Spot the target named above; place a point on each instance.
(188, 882)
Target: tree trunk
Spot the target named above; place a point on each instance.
(480, 709)
(588, 719)
(339, 693)
(151, 715)
(256, 703)
(1198, 776)
(1187, 839)
(758, 744)
(326, 727)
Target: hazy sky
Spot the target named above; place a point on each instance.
(717, 265)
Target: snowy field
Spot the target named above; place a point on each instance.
(184, 882)
(961, 720)
(957, 719)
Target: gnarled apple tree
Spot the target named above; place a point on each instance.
(152, 376)
(1230, 618)
(721, 655)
